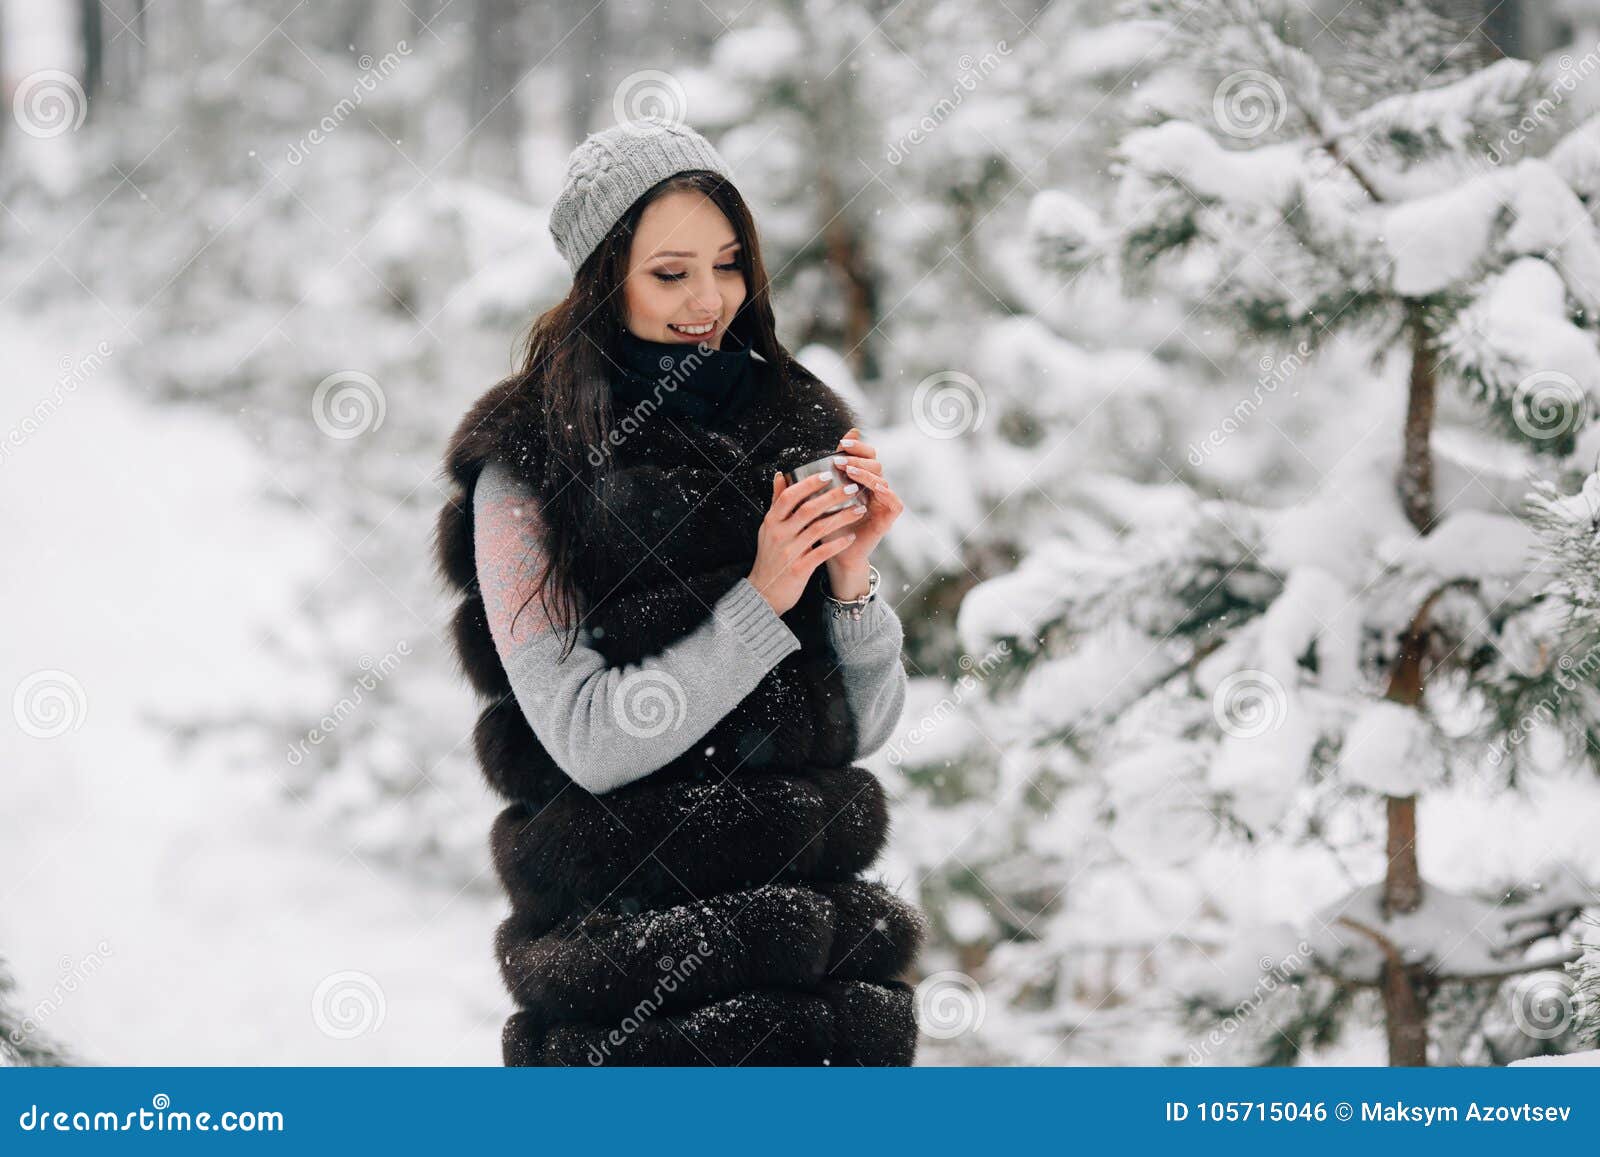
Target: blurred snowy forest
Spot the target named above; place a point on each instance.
(1238, 360)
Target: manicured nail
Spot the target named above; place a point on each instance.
(841, 458)
(847, 441)
(852, 488)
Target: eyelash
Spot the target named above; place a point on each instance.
(731, 267)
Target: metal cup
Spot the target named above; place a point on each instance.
(826, 465)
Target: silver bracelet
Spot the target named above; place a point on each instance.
(858, 604)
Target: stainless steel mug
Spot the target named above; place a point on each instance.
(800, 473)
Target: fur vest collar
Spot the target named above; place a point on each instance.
(744, 853)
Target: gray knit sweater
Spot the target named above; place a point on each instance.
(608, 726)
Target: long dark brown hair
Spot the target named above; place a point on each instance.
(567, 355)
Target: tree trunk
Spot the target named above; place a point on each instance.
(847, 257)
(92, 35)
(1405, 989)
(1416, 471)
(1405, 1000)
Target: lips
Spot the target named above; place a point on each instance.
(693, 332)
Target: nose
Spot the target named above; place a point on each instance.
(706, 296)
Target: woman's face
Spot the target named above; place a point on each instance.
(685, 271)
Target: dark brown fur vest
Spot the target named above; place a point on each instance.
(714, 911)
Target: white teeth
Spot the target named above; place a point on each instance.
(695, 330)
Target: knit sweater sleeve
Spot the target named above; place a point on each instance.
(603, 724)
(874, 679)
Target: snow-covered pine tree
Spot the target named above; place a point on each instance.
(1569, 529)
(1303, 672)
(1043, 416)
(793, 94)
(21, 1042)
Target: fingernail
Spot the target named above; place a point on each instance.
(847, 441)
(852, 488)
(841, 459)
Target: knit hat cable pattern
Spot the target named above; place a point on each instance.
(611, 169)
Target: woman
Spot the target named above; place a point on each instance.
(682, 652)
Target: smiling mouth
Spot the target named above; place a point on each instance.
(701, 330)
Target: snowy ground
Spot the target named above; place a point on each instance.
(158, 908)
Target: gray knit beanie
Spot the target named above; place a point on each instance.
(611, 169)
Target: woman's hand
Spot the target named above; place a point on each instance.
(785, 556)
(847, 570)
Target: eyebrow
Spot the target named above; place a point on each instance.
(686, 252)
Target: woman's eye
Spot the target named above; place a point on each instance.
(729, 267)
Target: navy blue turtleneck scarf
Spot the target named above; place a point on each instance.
(683, 380)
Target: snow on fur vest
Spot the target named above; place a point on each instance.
(712, 912)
